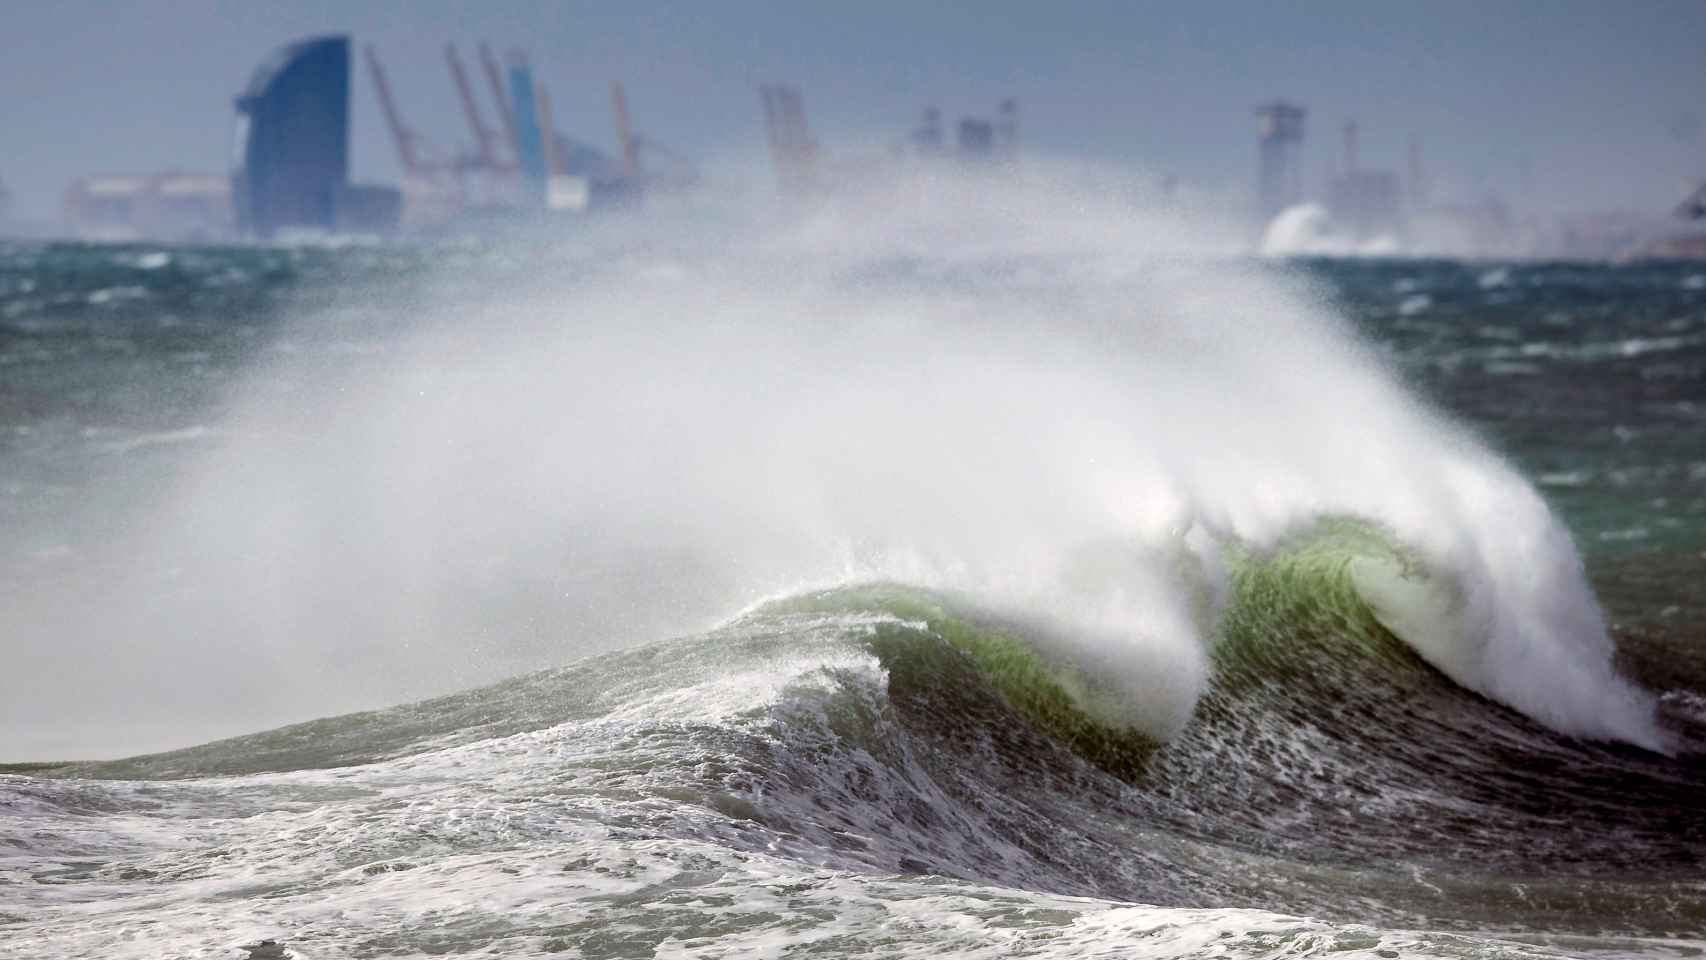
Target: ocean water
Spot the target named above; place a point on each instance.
(884, 582)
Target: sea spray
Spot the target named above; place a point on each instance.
(590, 442)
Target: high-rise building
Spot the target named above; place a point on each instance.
(292, 141)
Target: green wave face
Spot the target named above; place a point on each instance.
(1306, 602)
(943, 649)
(1298, 632)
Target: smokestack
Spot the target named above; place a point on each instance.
(1350, 146)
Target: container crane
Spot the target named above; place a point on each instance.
(506, 110)
(486, 141)
(636, 147)
(416, 155)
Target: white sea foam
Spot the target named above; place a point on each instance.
(568, 840)
(160, 438)
(1495, 278)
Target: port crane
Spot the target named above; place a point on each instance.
(489, 146)
(510, 158)
(506, 111)
(418, 157)
(633, 148)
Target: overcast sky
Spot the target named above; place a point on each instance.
(1557, 105)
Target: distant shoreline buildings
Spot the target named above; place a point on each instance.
(290, 174)
(290, 169)
(1363, 211)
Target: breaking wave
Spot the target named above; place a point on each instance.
(1085, 417)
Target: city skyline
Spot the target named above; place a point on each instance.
(1564, 107)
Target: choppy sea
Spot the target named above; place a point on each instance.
(847, 591)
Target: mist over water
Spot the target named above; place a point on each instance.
(1049, 392)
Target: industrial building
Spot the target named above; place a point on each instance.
(982, 140)
(179, 207)
(797, 156)
(1364, 202)
(1369, 210)
(979, 139)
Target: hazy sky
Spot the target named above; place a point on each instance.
(1558, 105)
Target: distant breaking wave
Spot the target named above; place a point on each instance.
(1307, 229)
